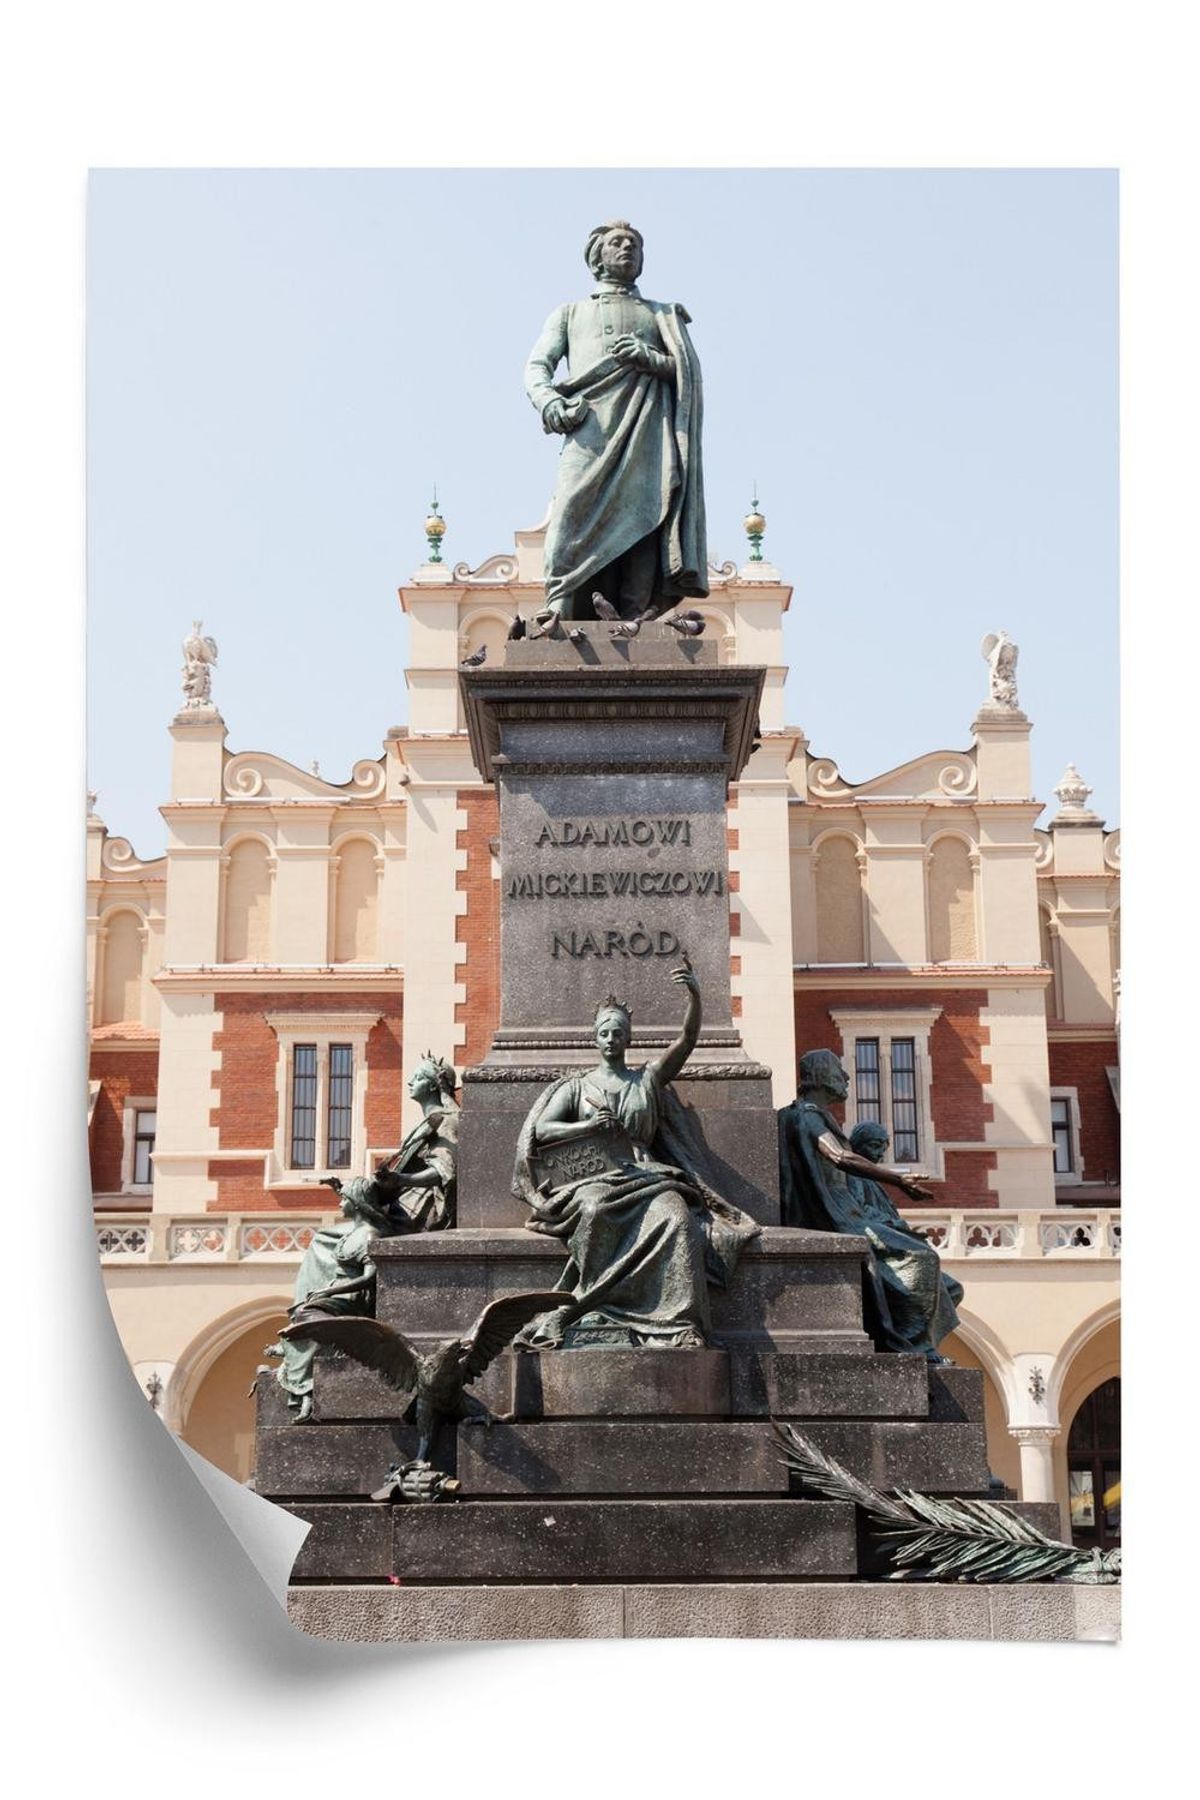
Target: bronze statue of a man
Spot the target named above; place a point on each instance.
(831, 1182)
(628, 514)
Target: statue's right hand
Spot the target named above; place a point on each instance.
(563, 416)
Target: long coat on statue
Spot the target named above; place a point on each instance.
(632, 468)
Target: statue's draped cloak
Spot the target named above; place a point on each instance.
(913, 1300)
(633, 466)
(337, 1252)
(644, 1241)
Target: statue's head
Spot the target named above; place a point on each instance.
(615, 250)
(358, 1201)
(432, 1078)
(870, 1139)
(614, 1026)
(821, 1071)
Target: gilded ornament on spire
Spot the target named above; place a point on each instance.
(435, 530)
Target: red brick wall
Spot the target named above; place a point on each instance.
(479, 927)
(957, 1048)
(245, 1098)
(1082, 1066)
(120, 1073)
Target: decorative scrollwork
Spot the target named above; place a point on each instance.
(118, 852)
(1112, 850)
(725, 570)
(824, 777)
(368, 777)
(242, 778)
(497, 569)
(1044, 854)
(958, 777)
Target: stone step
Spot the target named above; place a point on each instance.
(670, 1384)
(1023, 1612)
(634, 1457)
(579, 1540)
(653, 1457)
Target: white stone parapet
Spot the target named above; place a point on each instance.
(1061, 1234)
(155, 1238)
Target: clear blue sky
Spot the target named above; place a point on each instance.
(919, 369)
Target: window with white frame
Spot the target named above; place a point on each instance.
(887, 1059)
(322, 1080)
(1064, 1136)
(139, 1126)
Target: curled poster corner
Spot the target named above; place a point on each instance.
(270, 1536)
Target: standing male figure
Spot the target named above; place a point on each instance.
(627, 519)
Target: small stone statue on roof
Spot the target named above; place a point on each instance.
(1000, 654)
(627, 520)
(199, 660)
(831, 1182)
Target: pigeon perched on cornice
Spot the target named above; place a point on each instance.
(476, 659)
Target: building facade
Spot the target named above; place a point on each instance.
(257, 994)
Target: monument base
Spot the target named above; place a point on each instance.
(1025, 1612)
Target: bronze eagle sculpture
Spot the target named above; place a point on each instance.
(436, 1381)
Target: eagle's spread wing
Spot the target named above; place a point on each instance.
(365, 1341)
(499, 1323)
(988, 645)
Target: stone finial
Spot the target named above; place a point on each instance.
(1073, 795)
(92, 798)
(1000, 654)
(435, 530)
(755, 526)
(199, 660)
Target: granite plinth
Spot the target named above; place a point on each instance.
(574, 1540)
(665, 1384)
(793, 1289)
(1026, 1612)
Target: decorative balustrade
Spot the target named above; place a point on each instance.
(157, 1238)
(1065, 1234)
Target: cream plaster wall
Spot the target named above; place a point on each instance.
(187, 1063)
(1018, 1089)
(763, 907)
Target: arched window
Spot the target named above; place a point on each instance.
(247, 936)
(951, 885)
(839, 902)
(121, 993)
(356, 904)
(1094, 1468)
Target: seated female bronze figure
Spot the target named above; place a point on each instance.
(611, 1163)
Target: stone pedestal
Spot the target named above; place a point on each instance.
(613, 760)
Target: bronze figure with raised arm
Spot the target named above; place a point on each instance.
(611, 1163)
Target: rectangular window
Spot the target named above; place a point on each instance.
(1060, 1132)
(304, 1106)
(905, 1141)
(145, 1124)
(867, 1091)
(341, 1105)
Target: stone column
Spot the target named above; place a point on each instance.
(1036, 1444)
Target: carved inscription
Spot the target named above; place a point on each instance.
(584, 833)
(616, 884)
(632, 882)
